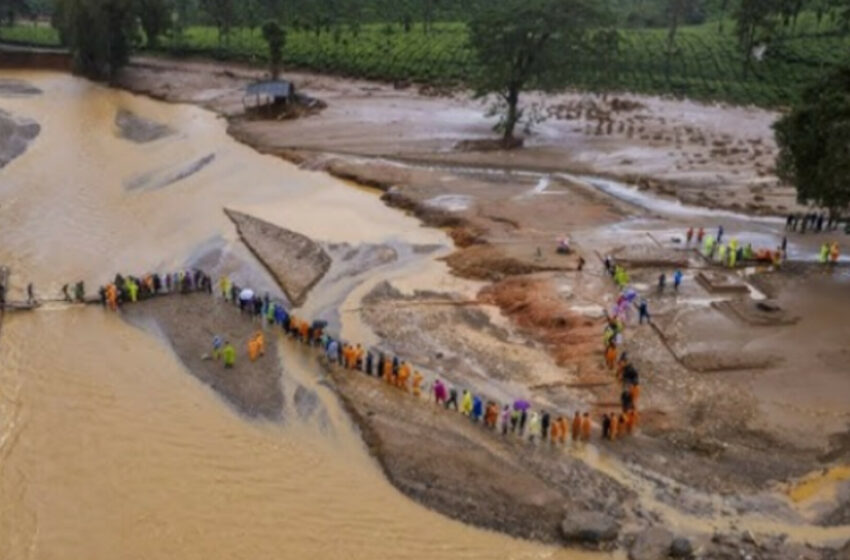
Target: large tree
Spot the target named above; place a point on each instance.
(99, 33)
(524, 43)
(155, 17)
(677, 11)
(275, 37)
(11, 9)
(814, 143)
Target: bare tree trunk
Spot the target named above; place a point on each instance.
(748, 53)
(513, 115)
(671, 41)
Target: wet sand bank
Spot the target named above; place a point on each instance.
(189, 323)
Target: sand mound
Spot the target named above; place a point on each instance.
(138, 129)
(17, 88)
(165, 177)
(296, 262)
(15, 136)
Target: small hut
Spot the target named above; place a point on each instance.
(272, 93)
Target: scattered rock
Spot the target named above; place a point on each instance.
(652, 544)
(589, 527)
(681, 548)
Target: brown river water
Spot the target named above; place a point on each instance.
(108, 448)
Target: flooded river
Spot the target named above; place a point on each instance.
(107, 446)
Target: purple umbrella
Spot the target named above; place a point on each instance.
(521, 404)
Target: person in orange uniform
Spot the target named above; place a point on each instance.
(112, 297)
(304, 331)
(252, 349)
(555, 431)
(492, 415)
(611, 355)
(359, 353)
(417, 384)
(585, 427)
(348, 355)
(615, 427)
(403, 376)
(565, 428)
(260, 340)
(388, 371)
(576, 426)
(634, 392)
(631, 420)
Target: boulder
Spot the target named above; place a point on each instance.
(589, 527)
(652, 544)
(681, 548)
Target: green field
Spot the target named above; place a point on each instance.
(707, 65)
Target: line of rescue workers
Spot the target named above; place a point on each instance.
(515, 418)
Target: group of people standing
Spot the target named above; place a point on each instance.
(829, 253)
(516, 418)
(814, 222)
(131, 289)
(616, 424)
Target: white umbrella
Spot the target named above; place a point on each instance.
(247, 293)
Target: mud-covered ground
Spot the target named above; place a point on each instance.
(733, 414)
(713, 155)
(465, 471)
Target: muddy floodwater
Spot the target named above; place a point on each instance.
(108, 448)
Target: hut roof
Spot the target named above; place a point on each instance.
(271, 88)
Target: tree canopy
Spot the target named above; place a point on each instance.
(275, 36)
(99, 33)
(814, 143)
(524, 43)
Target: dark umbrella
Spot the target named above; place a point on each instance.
(319, 324)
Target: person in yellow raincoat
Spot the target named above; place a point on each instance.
(224, 286)
(466, 403)
(229, 355)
